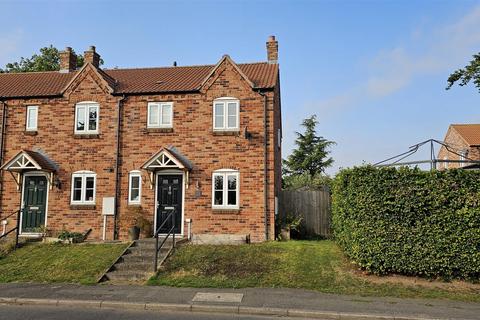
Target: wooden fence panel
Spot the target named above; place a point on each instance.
(313, 206)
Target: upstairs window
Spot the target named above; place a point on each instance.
(226, 114)
(86, 118)
(135, 187)
(225, 189)
(160, 115)
(84, 186)
(32, 118)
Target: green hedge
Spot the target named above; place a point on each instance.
(409, 221)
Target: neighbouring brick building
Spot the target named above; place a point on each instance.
(463, 141)
(81, 144)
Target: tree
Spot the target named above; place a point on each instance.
(47, 60)
(311, 155)
(470, 72)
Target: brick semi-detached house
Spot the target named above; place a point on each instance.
(80, 144)
(463, 141)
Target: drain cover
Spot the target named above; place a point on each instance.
(218, 297)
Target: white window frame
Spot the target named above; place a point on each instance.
(84, 175)
(30, 109)
(225, 101)
(225, 173)
(445, 164)
(135, 174)
(87, 105)
(160, 106)
(463, 157)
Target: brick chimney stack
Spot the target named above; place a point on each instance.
(91, 56)
(272, 50)
(68, 60)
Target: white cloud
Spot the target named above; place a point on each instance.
(9, 44)
(442, 49)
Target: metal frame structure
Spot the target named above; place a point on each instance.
(397, 160)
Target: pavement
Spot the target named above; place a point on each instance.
(249, 301)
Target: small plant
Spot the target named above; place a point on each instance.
(285, 228)
(71, 237)
(135, 218)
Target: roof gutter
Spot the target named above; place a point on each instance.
(265, 162)
(117, 169)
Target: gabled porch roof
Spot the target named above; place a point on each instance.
(167, 158)
(27, 160)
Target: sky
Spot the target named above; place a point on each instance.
(373, 72)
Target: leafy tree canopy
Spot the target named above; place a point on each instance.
(311, 156)
(47, 60)
(470, 72)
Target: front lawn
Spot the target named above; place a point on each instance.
(314, 265)
(80, 263)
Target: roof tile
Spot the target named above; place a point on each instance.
(469, 132)
(131, 81)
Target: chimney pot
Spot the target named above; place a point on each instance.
(92, 57)
(68, 60)
(272, 50)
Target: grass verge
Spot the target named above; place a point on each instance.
(82, 263)
(314, 265)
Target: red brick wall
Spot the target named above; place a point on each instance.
(192, 135)
(457, 143)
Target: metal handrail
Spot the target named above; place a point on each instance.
(17, 227)
(158, 247)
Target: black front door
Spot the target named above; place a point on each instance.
(169, 197)
(34, 203)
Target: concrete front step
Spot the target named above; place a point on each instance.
(129, 275)
(137, 262)
(146, 266)
(133, 258)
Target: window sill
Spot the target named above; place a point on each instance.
(226, 132)
(158, 130)
(135, 205)
(82, 207)
(86, 136)
(226, 210)
(31, 132)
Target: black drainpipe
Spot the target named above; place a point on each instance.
(117, 170)
(265, 162)
(2, 144)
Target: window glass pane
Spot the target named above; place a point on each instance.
(134, 195)
(232, 198)
(219, 115)
(218, 182)
(232, 109)
(90, 182)
(153, 114)
(32, 118)
(77, 189)
(218, 200)
(92, 118)
(135, 182)
(166, 114)
(232, 182)
(90, 186)
(81, 118)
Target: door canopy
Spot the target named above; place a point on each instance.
(167, 158)
(27, 160)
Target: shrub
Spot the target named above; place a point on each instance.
(409, 221)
